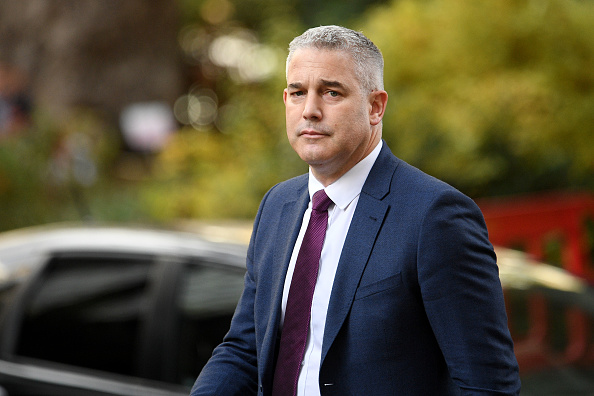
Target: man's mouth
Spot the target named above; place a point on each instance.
(311, 133)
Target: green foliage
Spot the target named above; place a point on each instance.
(494, 97)
(21, 176)
(209, 174)
(224, 172)
(53, 172)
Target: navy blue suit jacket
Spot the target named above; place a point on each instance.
(416, 306)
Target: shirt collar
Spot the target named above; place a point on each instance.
(348, 187)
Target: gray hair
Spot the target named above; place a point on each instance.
(369, 62)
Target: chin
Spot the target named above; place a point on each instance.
(311, 154)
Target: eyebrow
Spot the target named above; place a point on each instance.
(325, 83)
(333, 84)
(296, 85)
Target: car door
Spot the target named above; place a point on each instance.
(80, 327)
(204, 300)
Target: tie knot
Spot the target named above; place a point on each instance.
(320, 201)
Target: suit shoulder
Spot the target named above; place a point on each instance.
(395, 179)
(409, 181)
(287, 189)
(290, 185)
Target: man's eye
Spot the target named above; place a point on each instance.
(298, 93)
(333, 93)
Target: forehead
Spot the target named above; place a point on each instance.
(309, 64)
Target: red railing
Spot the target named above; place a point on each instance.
(555, 228)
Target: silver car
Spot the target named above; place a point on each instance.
(133, 311)
(112, 310)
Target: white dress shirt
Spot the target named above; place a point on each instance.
(345, 194)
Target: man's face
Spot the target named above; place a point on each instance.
(329, 118)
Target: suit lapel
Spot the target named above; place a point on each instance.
(363, 231)
(287, 230)
(286, 235)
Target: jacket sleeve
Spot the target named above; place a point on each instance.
(232, 369)
(463, 298)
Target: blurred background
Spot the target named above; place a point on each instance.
(136, 111)
(166, 111)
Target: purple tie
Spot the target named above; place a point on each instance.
(298, 310)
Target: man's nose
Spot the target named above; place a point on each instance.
(312, 109)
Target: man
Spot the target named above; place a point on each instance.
(407, 298)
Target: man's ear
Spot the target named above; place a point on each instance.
(285, 94)
(378, 101)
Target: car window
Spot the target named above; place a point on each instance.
(88, 312)
(205, 302)
(97, 312)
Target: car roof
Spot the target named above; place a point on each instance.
(21, 249)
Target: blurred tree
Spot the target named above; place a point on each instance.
(54, 173)
(333, 12)
(223, 168)
(494, 97)
(85, 61)
(93, 54)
